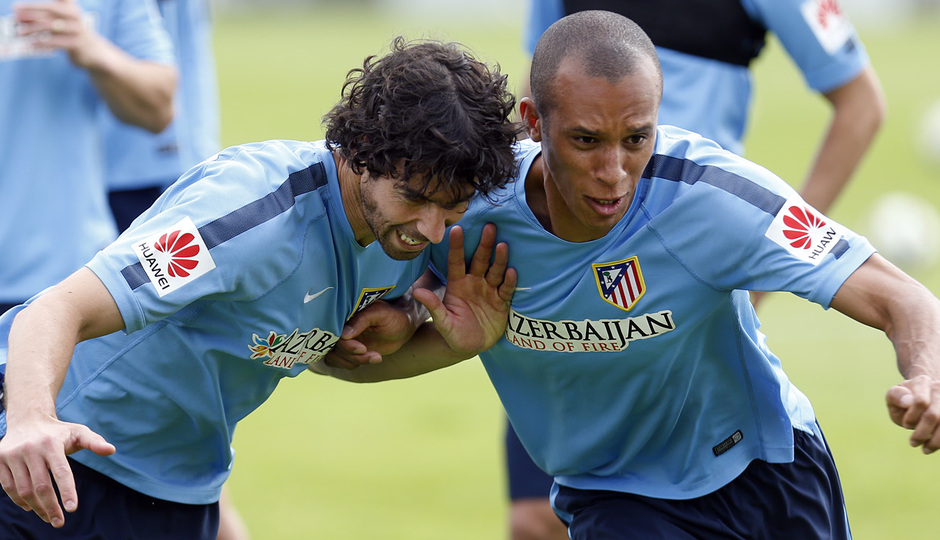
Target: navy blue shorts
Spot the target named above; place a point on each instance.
(108, 509)
(799, 500)
(126, 205)
(526, 480)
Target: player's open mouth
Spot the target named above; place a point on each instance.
(606, 206)
(409, 240)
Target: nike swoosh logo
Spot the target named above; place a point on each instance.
(308, 297)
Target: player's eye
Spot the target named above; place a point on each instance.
(457, 206)
(412, 197)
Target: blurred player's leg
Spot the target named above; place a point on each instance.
(534, 519)
(530, 513)
(231, 524)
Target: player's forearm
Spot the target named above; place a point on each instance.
(426, 351)
(858, 112)
(914, 331)
(884, 297)
(40, 347)
(138, 92)
(43, 336)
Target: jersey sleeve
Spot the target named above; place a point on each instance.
(227, 230)
(137, 28)
(742, 227)
(818, 36)
(541, 15)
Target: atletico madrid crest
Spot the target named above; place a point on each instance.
(620, 283)
(368, 296)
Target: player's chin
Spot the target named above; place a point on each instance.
(401, 251)
(397, 248)
(403, 255)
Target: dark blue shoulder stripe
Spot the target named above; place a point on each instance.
(273, 204)
(683, 170)
(249, 216)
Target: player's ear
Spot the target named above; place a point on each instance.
(531, 119)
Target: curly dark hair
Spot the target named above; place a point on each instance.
(427, 108)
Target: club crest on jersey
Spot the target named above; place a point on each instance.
(620, 283)
(368, 296)
(804, 232)
(174, 257)
(828, 23)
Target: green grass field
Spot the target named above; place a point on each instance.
(421, 459)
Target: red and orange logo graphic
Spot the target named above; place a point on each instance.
(801, 224)
(804, 232)
(181, 249)
(174, 256)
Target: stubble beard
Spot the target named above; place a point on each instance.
(383, 232)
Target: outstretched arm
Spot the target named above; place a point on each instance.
(880, 295)
(469, 318)
(41, 342)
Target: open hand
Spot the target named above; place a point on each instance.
(475, 309)
(29, 455)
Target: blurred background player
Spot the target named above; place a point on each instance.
(705, 48)
(61, 62)
(141, 164)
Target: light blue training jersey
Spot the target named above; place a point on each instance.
(55, 212)
(137, 158)
(634, 362)
(242, 273)
(713, 98)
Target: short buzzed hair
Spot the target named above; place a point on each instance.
(607, 45)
